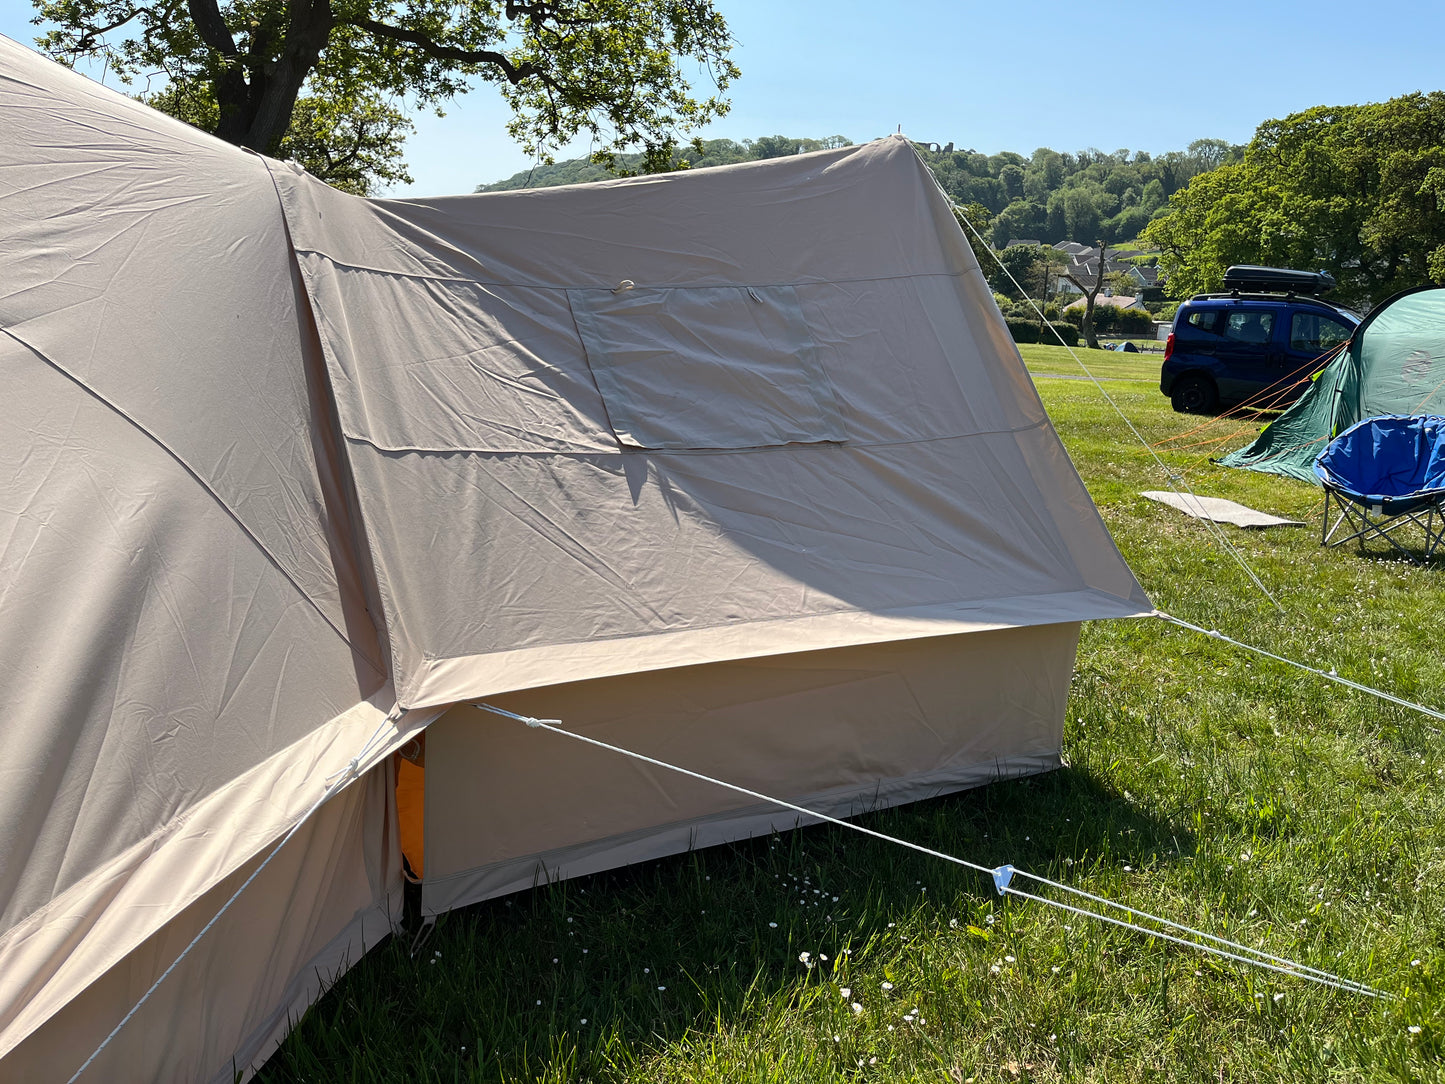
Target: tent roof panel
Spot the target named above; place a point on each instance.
(900, 469)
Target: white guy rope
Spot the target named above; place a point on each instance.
(1001, 875)
(554, 725)
(1299, 971)
(1288, 967)
(335, 782)
(1170, 477)
(1328, 675)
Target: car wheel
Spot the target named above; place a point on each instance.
(1194, 395)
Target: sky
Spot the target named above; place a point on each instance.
(1002, 76)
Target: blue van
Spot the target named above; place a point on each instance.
(1258, 344)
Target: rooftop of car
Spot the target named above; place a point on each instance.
(1290, 299)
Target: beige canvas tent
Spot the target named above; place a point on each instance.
(737, 468)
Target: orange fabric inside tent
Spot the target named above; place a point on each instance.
(411, 802)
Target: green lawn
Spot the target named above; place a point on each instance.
(1203, 783)
(1049, 361)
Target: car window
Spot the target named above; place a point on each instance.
(1249, 327)
(1206, 320)
(1313, 333)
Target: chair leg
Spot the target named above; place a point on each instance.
(1327, 530)
(1362, 528)
(1434, 536)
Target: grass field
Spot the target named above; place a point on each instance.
(1203, 783)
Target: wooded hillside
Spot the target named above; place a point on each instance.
(1050, 196)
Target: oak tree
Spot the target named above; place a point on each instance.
(332, 77)
(1356, 190)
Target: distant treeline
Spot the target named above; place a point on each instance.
(1088, 196)
(1048, 196)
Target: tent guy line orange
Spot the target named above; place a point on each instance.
(1001, 875)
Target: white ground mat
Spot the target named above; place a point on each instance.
(1218, 509)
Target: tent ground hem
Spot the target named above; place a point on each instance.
(366, 932)
(502, 878)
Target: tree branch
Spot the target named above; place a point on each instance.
(232, 93)
(212, 28)
(515, 73)
(275, 86)
(539, 12)
(87, 40)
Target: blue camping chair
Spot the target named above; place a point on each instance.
(1382, 474)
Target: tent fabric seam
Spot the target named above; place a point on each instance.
(210, 491)
(939, 625)
(357, 536)
(900, 612)
(706, 285)
(389, 622)
(628, 449)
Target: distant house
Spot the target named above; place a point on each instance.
(1083, 271)
(1084, 267)
(1144, 276)
(1016, 242)
(1108, 297)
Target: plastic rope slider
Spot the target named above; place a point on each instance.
(1001, 878)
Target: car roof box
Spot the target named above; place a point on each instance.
(1280, 280)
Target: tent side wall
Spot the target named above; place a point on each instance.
(331, 893)
(186, 652)
(1289, 444)
(842, 731)
(1395, 364)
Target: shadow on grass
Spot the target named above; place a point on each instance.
(1411, 552)
(581, 979)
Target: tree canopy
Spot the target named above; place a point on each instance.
(1357, 190)
(326, 81)
(1088, 195)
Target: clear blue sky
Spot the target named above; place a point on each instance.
(1006, 76)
